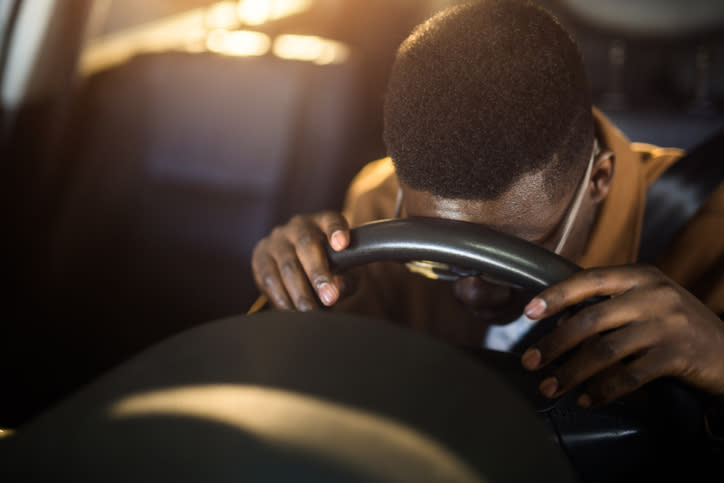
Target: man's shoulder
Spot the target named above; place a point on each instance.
(373, 175)
(372, 193)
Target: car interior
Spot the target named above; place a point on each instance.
(147, 147)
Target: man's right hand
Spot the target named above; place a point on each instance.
(291, 267)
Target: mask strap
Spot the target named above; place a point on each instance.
(578, 200)
(398, 202)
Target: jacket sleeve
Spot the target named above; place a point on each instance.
(372, 193)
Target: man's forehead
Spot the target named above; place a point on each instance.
(525, 209)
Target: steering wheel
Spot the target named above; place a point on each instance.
(665, 417)
(455, 243)
(325, 396)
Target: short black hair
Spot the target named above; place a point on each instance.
(484, 93)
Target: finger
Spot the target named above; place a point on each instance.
(313, 258)
(589, 321)
(334, 225)
(295, 279)
(602, 352)
(309, 240)
(269, 281)
(583, 285)
(623, 379)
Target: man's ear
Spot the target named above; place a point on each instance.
(602, 175)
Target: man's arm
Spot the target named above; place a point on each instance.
(290, 265)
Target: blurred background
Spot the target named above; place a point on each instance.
(147, 146)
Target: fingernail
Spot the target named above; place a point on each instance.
(531, 358)
(535, 308)
(338, 240)
(584, 400)
(328, 293)
(549, 386)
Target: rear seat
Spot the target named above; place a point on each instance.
(186, 162)
(173, 166)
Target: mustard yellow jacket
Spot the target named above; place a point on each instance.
(695, 259)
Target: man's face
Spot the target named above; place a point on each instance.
(525, 211)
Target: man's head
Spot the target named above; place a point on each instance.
(488, 119)
(484, 93)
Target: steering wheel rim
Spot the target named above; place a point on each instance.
(456, 243)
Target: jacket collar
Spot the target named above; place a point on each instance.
(617, 231)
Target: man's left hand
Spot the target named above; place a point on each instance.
(647, 327)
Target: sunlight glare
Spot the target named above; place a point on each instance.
(238, 42)
(311, 49)
(222, 15)
(214, 28)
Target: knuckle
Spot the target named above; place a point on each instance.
(296, 220)
(668, 293)
(261, 244)
(669, 299)
(645, 274)
(279, 232)
(332, 216)
(555, 296)
(678, 321)
(673, 296)
(318, 278)
(588, 319)
(328, 215)
(604, 349)
(678, 364)
(650, 270)
(281, 303)
(279, 299)
(288, 267)
(595, 277)
(304, 303)
(334, 220)
(306, 239)
(268, 281)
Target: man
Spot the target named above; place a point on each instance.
(488, 120)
